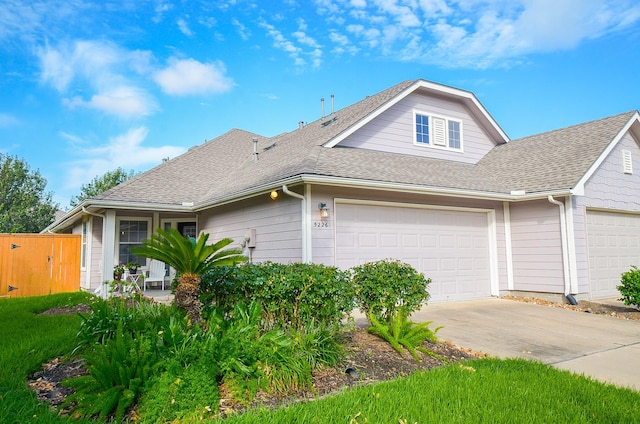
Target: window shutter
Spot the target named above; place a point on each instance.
(627, 165)
(439, 132)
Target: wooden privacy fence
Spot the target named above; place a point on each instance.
(39, 264)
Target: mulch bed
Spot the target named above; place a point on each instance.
(369, 359)
(592, 307)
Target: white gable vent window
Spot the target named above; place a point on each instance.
(438, 132)
(627, 165)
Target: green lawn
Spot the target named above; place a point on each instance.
(481, 391)
(27, 340)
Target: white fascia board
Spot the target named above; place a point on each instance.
(246, 193)
(411, 188)
(355, 127)
(77, 212)
(579, 187)
(467, 95)
(65, 221)
(264, 189)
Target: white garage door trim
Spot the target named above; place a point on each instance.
(612, 249)
(491, 229)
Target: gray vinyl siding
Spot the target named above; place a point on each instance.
(537, 247)
(277, 224)
(393, 130)
(608, 188)
(323, 246)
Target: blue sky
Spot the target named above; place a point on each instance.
(88, 86)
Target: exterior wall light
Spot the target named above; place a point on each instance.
(273, 194)
(324, 211)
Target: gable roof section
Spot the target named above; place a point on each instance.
(387, 98)
(555, 160)
(224, 169)
(225, 166)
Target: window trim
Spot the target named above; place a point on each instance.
(431, 143)
(119, 219)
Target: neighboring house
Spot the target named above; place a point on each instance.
(419, 172)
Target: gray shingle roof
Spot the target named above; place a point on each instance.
(553, 160)
(224, 166)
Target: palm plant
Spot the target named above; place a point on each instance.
(190, 259)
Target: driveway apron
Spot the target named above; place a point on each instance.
(602, 347)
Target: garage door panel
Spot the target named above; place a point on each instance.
(450, 247)
(613, 241)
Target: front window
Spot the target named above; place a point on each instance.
(454, 135)
(131, 234)
(422, 129)
(438, 132)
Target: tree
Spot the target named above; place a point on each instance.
(190, 259)
(100, 184)
(25, 207)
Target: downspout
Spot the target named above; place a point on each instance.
(508, 246)
(565, 253)
(103, 287)
(305, 224)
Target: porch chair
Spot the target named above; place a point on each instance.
(156, 273)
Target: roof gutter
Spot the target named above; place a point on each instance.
(65, 221)
(438, 191)
(377, 185)
(72, 215)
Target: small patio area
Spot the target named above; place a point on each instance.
(158, 295)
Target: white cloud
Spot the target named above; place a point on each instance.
(160, 10)
(126, 150)
(7, 120)
(242, 29)
(56, 68)
(188, 76)
(103, 68)
(184, 27)
(472, 33)
(303, 45)
(122, 101)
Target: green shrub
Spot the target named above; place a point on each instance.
(131, 315)
(249, 358)
(181, 394)
(293, 295)
(318, 345)
(399, 331)
(385, 287)
(630, 287)
(118, 370)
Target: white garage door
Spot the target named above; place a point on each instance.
(614, 245)
(449, 246)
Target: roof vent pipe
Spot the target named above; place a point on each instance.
(255, 149)
(301, 124)
(322, 105)
(332, 103)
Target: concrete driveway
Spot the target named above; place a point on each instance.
(603, 347)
